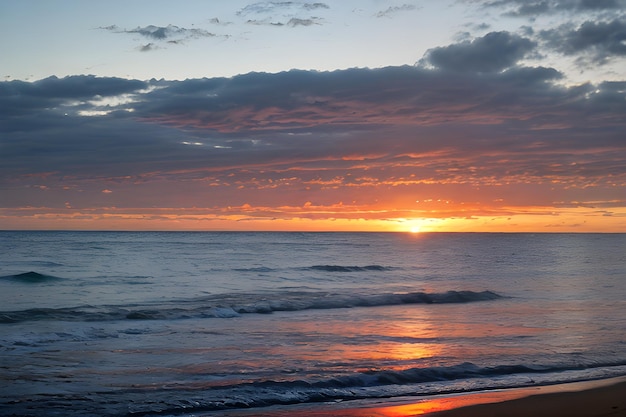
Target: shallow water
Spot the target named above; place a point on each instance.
(114, 323)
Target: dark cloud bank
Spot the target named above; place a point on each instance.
(468, 114)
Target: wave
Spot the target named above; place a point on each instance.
(323, 268)
(30, 277)
(465, 377)
(234, 305)
(340, 268)
(214, 396)
(463, 371)
(255, 269)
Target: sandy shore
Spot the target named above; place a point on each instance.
(581, 399)
(572, 400)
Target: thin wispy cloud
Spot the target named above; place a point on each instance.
(288, 13)
(293, 22)
(393, 10)
(160, 36)
(169, 32)
(270, 7)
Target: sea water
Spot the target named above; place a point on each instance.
(143, 324)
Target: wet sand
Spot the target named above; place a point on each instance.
(582, 399)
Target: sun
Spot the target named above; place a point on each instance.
(422, 225)
(409, 225)
(419, 225)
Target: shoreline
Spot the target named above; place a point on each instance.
(596, 398)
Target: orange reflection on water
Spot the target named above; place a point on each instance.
(428, 406)
(364, 354)
(415, 408)
(387, 335)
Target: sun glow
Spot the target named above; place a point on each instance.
(415, 229)
(580, 219)
(421, 225)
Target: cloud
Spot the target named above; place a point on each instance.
(218, 22)
(375, 139)
(160, 35)
(148, 47)
(392, 10)
(493, 52)
(293, 22)
(279, 6)
(600, 4)
(169, 32)
(72, 87)
(19, 98)
(345, 99)
(599, 41)
(469, 131)
(535, 8)
(265, 117)
(287, 13)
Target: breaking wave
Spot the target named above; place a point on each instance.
(234, 305)
(214, 396)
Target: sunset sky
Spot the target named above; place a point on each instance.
(369, 115)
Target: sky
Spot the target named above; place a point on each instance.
(369, 115)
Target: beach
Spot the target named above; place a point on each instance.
(581, 399)
(606, 400)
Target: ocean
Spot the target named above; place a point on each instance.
(216, 323)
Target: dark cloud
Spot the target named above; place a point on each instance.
(493, 52)
(273, 140)
(601, 4)
(358, 97)
(26, 98)
(534, 8)
(73, 87)
(598, 40)
(276, 109)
